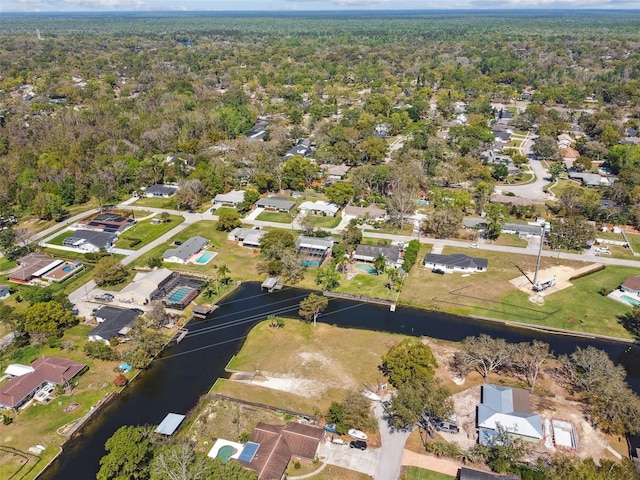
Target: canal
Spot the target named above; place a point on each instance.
(186, 371)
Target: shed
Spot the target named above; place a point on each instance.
(271, 284)
(170, 424)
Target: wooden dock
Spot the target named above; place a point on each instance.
(203, 311)
(361, 298)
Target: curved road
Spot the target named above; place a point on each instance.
(534, 190)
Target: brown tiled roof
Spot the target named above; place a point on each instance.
(632, 283)
(46, 369)
(278, 443)
(521, 400)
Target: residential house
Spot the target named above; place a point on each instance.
(457, 262)
(491, 157)
(33, 266)
(46, 370)
(108, 222)
(160, 191)
(90, 241)
(112, 322)
(474, 223)
(4, 292)
(145, 285)
(183, 253)
(524, 230)
(631, 285)
(564, 140)
(313, 249)
(259, 130)
(246, 237)
(279, 204)
(590, 179)
(505, 117)
(510, 200)
(368, 253)
(233, 198)
(271, 448)
(335, 172)
(319, 207)
(301, 149)
(502, 136)
(510, 409)
(466, 473)
(371, 212)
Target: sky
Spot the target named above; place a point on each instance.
(300, 5)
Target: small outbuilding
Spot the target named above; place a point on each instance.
(170, 424)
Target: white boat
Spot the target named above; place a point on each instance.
(357, 434)
(370, 395)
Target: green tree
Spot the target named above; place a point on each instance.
(630, 321)
(410, 255)
(340, 193)
(129, 453)
(414, 399)
(155, 262)
(555, 170)
(228, 220)
(483, 354)
(299, 172)
(546, 147)
(356, 410)
(48, 319)
(444, 223)
(335, 414)
(499, 171)
(99, 350)
(496, 216)
(312, 306)
(351, 236)
(380, 264)
(37, 294)
(275, 247)
(327, 278)
(109, 271)
(409, 361)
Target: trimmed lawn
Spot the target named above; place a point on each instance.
(332, 360)
(563, 184)
(222, 210)
(415, 473)
(147, 231)
(278, 217)
(168, 203)
(58, 240)
(508, 240)
(367, 285)
(634, 241)
(580, 308)
(326, 222)
(6, 264)
(240, 260)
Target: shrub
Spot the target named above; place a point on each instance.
(296, 465)
(99, 350)
(120, 381)
(134, 241)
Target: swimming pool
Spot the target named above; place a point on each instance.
(205, 258)
(226, 452)
(629, 300)
(67, 268)
(179, 294)
(363, 267)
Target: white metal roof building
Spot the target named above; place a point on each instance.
(234, 197)
(319, 207)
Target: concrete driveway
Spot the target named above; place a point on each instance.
(393, 442)
(366, 461)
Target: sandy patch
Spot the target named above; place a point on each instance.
(298, 386)
(562, 273)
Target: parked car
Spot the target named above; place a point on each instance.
(439, 271)
(447, 427)
(358, 444)
(473, 245)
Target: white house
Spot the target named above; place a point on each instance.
(457, 262)
(160, 191)
(183, 253)
(233, 198)
(319, 207)
(247, 237)
(90, 241)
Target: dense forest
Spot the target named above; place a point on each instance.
(97, 106)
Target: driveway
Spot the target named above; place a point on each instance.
(393, 442)
(351, 458)
(534, 190)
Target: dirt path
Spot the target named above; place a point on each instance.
(429, 462)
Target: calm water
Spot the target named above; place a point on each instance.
(186, 371)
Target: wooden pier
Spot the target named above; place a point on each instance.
(361, 298)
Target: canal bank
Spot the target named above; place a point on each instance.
(184, 372)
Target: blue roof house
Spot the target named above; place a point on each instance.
(509, 408)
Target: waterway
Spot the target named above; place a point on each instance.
(186, 371)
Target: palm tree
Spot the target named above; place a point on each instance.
(380, 263)
(222, 273)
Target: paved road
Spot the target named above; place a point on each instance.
(534, 190)
(393, 443)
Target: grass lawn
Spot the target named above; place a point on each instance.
(407, 229)
(367, 285)
(278, 217)
(147, 231)
(563, 184)
(168, 203)
(634, 241)
(508, 240)
(240, 260)
(415, 473)
(326, 222)
(490, 294)
(38, 424)
(330, 472)
(6, 264)
(222, 210)
(36, 225)
(331, 359)
(521, 179)
(58, 240)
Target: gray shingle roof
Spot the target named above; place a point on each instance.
(390, 252)
(278, 203)
(456, 260)
(98, 239)
(159, 189)
(187, 249)
(115, 319)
